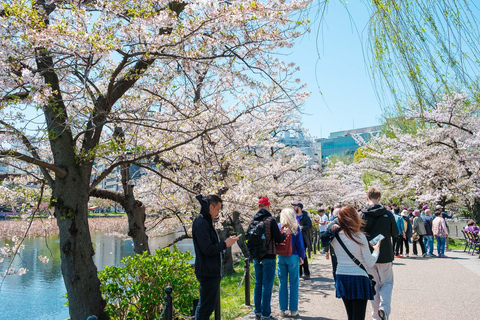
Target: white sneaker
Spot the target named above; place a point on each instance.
(294, 313)
(382, 314)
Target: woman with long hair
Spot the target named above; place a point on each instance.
(288, 266)
(352, 283)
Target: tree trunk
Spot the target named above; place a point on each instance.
(136, 223)
(476, 209)
(227, 265)
(70, 198)
(135, 210)
(237, 226)
(135, 213)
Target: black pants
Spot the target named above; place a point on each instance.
(397, 248)
(400, 246)
(422, 246)
(356, 308)
(304, 268)
(394, 244)
(209, 289)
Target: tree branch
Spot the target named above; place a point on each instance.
(30, 148)
(61, 173)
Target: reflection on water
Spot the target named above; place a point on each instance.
(38, 293)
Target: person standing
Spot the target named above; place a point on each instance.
(265, 267)
(305, 224)
(352, 283)
(408, 234)
(444, 215)
(428, 237)
(322, 224)
(288, 267)
(419, 229)
(380, 221)
(208, 248)
(397, 241)
(440, 231)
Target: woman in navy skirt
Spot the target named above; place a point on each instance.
(352, 284)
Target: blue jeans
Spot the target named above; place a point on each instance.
(288, 274)
(428, 242)
(264, 276)
(440, 245)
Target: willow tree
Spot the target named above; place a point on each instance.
(423, 49)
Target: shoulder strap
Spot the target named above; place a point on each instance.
(357, 262)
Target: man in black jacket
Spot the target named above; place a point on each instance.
(265, 267)
(208, 258)
(305, 224)
(380, 221)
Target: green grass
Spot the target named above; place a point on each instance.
(453, 244)
(234, 306)
(106, 214)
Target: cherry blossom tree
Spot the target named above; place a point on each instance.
(70, 73)
(438, 163)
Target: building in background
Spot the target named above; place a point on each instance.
(342, 143)
(299, 140)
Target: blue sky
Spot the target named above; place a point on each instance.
(347, 97)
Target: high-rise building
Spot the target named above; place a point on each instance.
(342, 143)
(299, 140)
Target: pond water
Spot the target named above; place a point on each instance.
(38, 294)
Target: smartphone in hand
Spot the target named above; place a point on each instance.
(375, 240)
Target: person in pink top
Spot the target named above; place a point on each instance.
(440, 231)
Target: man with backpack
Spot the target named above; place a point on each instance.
(380, 221)
(261, 236)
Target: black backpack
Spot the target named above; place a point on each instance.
(256, 240)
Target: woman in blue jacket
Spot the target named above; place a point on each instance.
(288, 266)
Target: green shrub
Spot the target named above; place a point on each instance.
(137, 290)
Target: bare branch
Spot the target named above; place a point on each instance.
(61, 173)
(30, 148)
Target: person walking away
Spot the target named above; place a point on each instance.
(440, 231)
(419, 231)
(408, 234)
(265, 266)
(397, 242)
(380, 221)
(322, 225)
(288, 266)
(428, 237)
(208, 248)
(352, 283)
(305, 224)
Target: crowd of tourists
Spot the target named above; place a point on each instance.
(361, 243)
(416, 228)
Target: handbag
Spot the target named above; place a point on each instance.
(358, 263)
(415, 236)
(285, 247)
(441, 231)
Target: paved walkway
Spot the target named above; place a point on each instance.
(424, 289)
